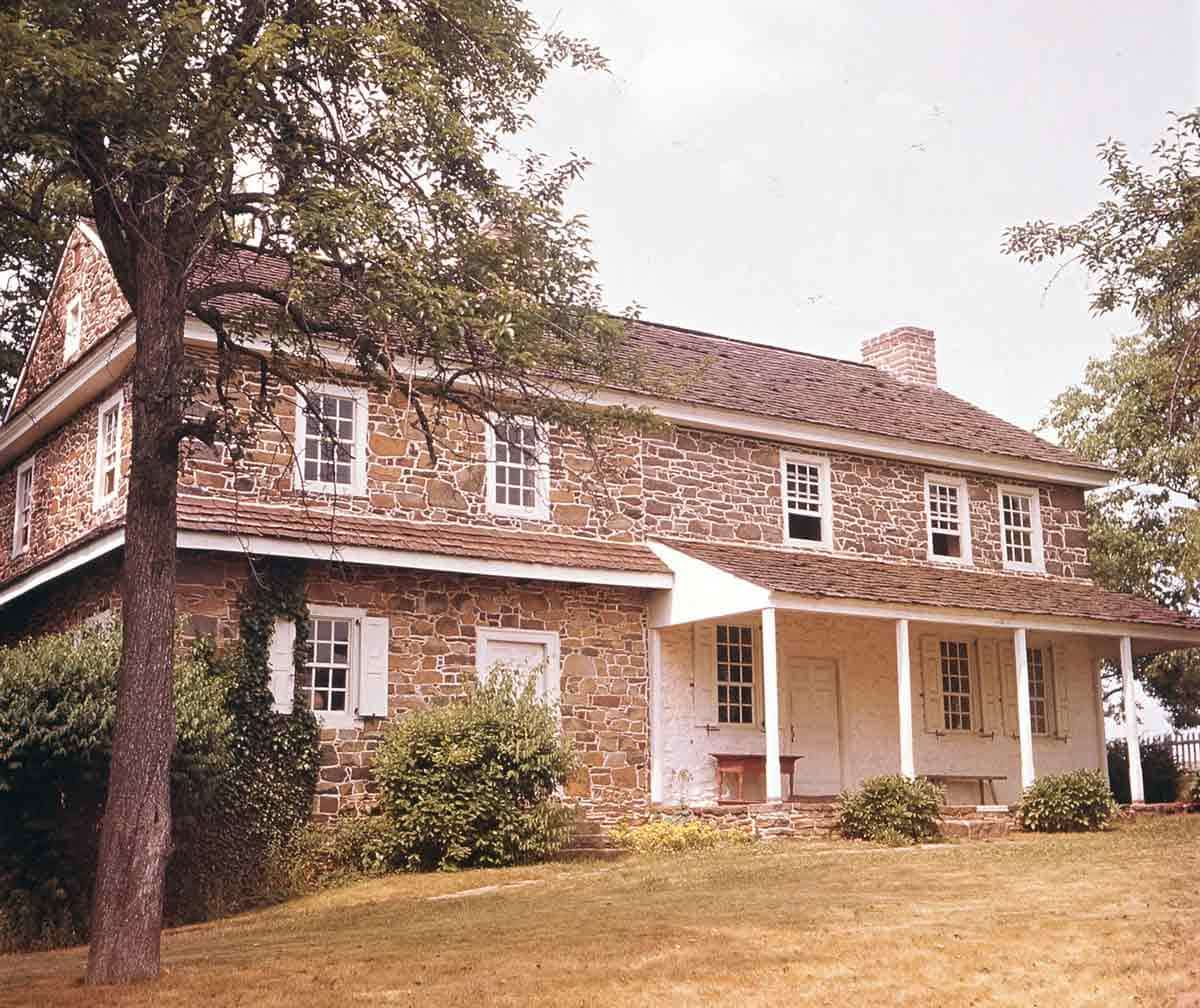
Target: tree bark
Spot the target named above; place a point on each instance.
(135, 840)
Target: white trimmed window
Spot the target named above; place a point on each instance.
(1021, 529)
(108, 450)
(806, 500)
(329, 670)
(1040, 704)
(23, 509)
(956, 685)
(518, 470)
(73, 327)
(524, 651)
(331, 440)
(948, 520)
(735, 674)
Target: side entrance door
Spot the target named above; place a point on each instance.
(810, 727)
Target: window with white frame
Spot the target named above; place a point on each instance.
(735, 674)
(108, 450)
(73, 327)
(329, 669)
(518, 480)
(806, 500)
(23, 509)
(1021, 529)
(956, 685)
(1039, 692)
(331, 440)
(948, 520)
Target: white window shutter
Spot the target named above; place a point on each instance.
(373, 679)
(704, 675)
(1008, 689)
(1062, 702)
(931, 684)
(281, 664)
(989, 715)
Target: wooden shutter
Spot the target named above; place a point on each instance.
(375, 639)
(989, 713)
(1056, 679)
(282, 666)
(704, 675)
(931, 684)
(1008, 689)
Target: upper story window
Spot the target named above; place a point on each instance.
(806, 500)
(948, 519)
(518, 471)
(73, 327)
(1021, 529)
(23, 516)
(331, 440)
(956, 685)
(108, 450)
(735, 674)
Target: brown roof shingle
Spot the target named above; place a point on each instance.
(818, 574)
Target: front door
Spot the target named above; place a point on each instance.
(810, 727)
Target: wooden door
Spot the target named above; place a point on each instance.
(810, 727)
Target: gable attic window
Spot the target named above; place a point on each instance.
(331, 440)
(948, 520)
(518, 469)
(73, 327)
(108, 450)
(1021, 529)
(806, 500)
(23, 509)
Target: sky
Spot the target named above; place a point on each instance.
(810, 175)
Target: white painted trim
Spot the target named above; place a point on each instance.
(347, 718)
(25, 467)
(1024, 719)
(229, 542)
(1035, 516)
(908, 764)
(548, 638)
(101, 500)
(1137, 790)
(358, 461)
(62, 565)
(966, 559)
(770, 667)
(541, 507)
(73, 331)
(826, 502)
(701, 591)
(658, 758)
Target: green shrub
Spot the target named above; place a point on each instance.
(474, 782)
(669, 837)
(1160, 774)
(57, 707)
(891, 810)
(1077, 801)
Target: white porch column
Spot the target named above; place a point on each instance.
(1024, 722)
(770, 665)
(657, 756)
(1137, 792)
(908, 763)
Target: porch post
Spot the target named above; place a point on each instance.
(908, 764)
(654, 662)
(770, 665)
(1137, 791)
(1024, 721)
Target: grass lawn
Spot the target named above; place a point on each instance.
(1108, 919)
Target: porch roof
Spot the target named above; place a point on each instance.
(817, 574)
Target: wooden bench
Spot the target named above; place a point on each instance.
(732, 766)
(983, 780)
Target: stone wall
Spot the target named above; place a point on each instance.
(432, 656)
(92, 590)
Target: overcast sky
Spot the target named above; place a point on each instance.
(813, 174)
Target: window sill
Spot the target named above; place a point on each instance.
(951, 561)
(1024, 568)
(808, 544)
(529, 514)
(329, 490)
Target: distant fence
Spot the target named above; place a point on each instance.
(1185, 745)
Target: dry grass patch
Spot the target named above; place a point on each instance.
(1095, 919)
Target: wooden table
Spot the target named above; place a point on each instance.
(734, 765)
(988, 780)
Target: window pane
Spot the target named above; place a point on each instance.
(329, 439)
(1016, 512)
(943, 513)
(1037, 691)
(956, 685)
(327, 673)
(735, 674)
(516, 465)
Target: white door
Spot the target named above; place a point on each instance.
(810, 727)
(521, 651)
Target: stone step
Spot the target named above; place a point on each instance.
(589, 854)
(976, 829)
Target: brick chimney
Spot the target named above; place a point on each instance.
(907, 353)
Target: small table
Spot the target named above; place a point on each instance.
(733, 766)
(988, 780)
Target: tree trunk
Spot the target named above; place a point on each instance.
(135, 840)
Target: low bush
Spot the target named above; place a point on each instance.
(670, 837)
(1073, 802)
(474, 782)
(1160, 773)
(892, 810)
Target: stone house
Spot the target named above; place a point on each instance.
(820, 571)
